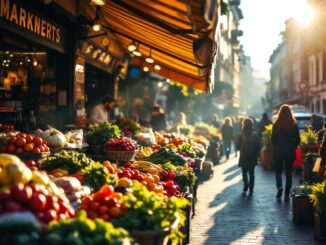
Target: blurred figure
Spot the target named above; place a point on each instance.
(285, 140)
(316, 123)
(322, 153)
(101, 113)
(215, 121)
(237, 128)
(158, 118)
(249, 146)
(181, 121)
(254, 121)
(227, 136)
(263, 123)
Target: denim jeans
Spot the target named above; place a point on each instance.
(227, 148)
(251, 172)
(288, 167)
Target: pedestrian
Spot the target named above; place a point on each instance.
(263, 123)
(316, 123)
(158, 118)
(215, 121)
(285, 139)
(322, 153)
(237, 129)
(227, 136)
(101, 112)
(249, 147)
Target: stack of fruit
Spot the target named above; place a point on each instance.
(24, 190)
(105, 204)
(25, 143)
(121, 144)
(5, 128)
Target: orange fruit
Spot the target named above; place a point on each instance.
(156, 178)
(125, 182)
(149, 178)
(115, 212)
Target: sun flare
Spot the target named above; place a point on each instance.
(304, 14)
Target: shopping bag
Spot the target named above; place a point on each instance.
(298, 158)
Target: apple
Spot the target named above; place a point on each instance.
(21, 193)
(49, 215)
(38, 202)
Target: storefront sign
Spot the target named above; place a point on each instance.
(14, 14)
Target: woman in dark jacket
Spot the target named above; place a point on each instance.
(249, 146)
(158, 118)
(285, 140)
(227, 136)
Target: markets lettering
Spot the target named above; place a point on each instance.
(27, 20)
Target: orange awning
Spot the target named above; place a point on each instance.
(167, 29)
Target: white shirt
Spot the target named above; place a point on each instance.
(99, 114)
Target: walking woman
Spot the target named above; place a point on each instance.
(285, 139)
(249, 145)
(227, 135)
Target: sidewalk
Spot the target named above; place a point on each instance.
(224, 215)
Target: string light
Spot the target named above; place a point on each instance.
(157, 67)
(145, 69)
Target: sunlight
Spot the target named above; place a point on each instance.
(304, 14)
(258, 233)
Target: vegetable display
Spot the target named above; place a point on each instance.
(82, 230)
(99, 134)
(146, 210)
(71, 161)
(121, 144)
(165, 155)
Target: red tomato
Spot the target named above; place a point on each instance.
(171, 175)
(88, 200)
(38, 202)
(20, 142)
(12, 140)
(95, 206)
(98, 196)
(21, 193)
(42, 148)
(103, 209)
(29, 138)
(107, 190)
(105, 217)
(28, 147)
(31, 163)
(37, 141)
(169, 183)
(115, 212)
(54, 205)
(111, 202)
(49, 215)
(36, 150)
(11, 148)
(21, 135)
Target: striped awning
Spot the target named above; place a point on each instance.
(166, 30)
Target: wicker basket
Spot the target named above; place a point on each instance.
(120, 155)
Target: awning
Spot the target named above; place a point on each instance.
(166, 29)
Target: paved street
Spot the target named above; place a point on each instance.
(224, 215)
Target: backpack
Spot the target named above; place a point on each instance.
(249, 146)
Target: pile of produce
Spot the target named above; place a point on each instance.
(121, 144)
(146, 210)
(165, 155)
(55, 138)
(105, 204)
(82, 230)
(99, 134)
(26, 190)
(206, 130)
(129, 127)
(24, 143)
(146, 138)
(5, 128)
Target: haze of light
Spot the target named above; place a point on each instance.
(262, 24)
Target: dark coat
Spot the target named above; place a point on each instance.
(227, 133)
(322, 151)
(262, 124)
(244, 138)
(285, 142)
(159, 122)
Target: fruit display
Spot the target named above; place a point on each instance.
(33, 165)
(121, 144)
(128, 127)
(70, 161)
(144, 152)
(25, 143)
(165, 155)
(5, 128)
(83, 230)
(105, 204)
(99, 134)
(206, 130)
(96, 175)
(163, 211)
(72, 188)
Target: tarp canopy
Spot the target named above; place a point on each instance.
(166, 30)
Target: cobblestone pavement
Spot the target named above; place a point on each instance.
(224, 215)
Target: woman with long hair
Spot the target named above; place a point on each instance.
(249, 145)
(285, 139)
(227, 135)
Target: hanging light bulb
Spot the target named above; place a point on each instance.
(35, 63)
(150, 59)
(98, 2)
(137, 52)
(11, 55)
(21, 63)
(97, 22)
(168, 80)
(157, 67)
(132, 46)
(160, 84)
(145, 69)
